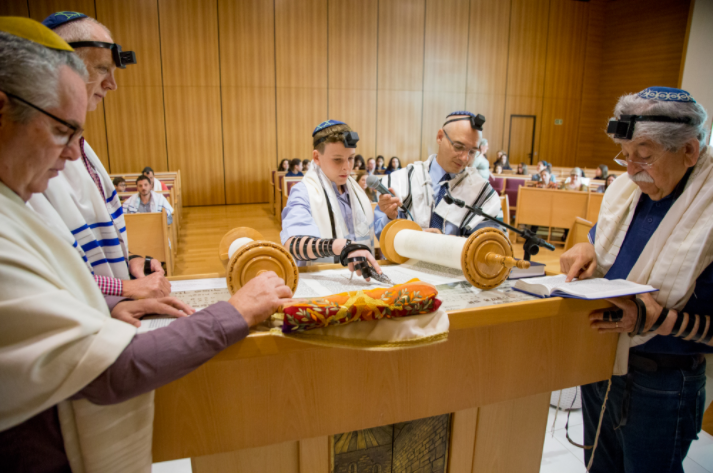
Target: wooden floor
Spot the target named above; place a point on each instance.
(203, 227)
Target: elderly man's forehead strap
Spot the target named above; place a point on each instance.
(623, 127)
(476, 121)
(34, 31)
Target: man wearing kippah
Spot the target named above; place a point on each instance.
(328, 216)
(655, 227)
(76, 381)
(420, 187)
(83, 196)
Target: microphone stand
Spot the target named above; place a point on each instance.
(532, 241)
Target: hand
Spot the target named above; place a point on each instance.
(579, 262)
(369, 258)
(390, 205)
(136, 267)
(156, 266)
(631, 312)
(433, 230)
(131, 311)
(152, 286)
(260, 297)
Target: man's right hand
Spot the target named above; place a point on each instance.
(154, 285)
(579, 262)
(390, 205)
(260, 297)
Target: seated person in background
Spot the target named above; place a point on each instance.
(284, 165)
(380, 168)
(361, 180)
(483, 149)
(480, 162)
(504, 162)
(359, 163)
(544, 165)
(602, 172)
(328, 216)
(66, 354)
(544, 182)
(370, 166)
(119, 184)
(295, 168)
(522, 169)
(394, 165)
(497, 168)
(306, 163)
(574, 181)
(82, 200)
(610, 180)
(156, 184)
(422, 184)
(146, 200)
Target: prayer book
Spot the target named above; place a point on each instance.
(599, 288)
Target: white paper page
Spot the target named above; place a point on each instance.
(549, 282)
(600, 288)
(462, 295)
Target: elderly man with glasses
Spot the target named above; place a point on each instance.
(655, 227)
(419, 188)
(82, 198)
(77, 382)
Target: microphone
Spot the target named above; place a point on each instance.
(373, 182)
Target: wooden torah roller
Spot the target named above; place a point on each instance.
(246, 254)
(485, 257)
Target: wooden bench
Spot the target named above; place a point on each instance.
(149, 234)
(287, 184)
(172, 180)
(173, 202)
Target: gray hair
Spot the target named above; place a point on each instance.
(482, 142)
(672, 136)
(79, 30)
(31, 71)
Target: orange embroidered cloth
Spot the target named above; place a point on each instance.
(412, 298)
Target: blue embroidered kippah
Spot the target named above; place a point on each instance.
(666, 94)
(62, 17)
(461, 112)
(327, 124)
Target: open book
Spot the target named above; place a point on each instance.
(554, 286)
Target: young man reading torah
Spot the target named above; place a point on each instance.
(420, 187)
(76, 383)
(328, 217)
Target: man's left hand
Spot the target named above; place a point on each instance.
(156, 267)
(132, 311)
(631, 312)
(369, 258)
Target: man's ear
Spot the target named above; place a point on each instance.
(315, 156)
(691, 152)
(439, 136)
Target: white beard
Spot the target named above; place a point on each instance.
(642, 176)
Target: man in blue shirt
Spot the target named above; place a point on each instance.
(420, 187)
(655, 227)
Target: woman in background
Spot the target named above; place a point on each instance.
(522, 169)
(359, 164)
(361, 180)
(394, 165)
(380, 169)
(284, 165)
(306, 163)
(602, 172)
(610, 180)
(295, 168)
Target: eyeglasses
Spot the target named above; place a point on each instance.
(646, 163)
(76, 131)
(458, 148)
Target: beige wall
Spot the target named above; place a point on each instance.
(698, 69)
(224, 89)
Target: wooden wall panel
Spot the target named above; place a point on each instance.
(247, 67)
(558, 143)
(399, 125)
(492, 107)
(358, 109)
(352, 68)
(352, 44)
(436, 105)
(191, 77)
(41, 9)
(523, 106)
(528, 47)
(488, 47)
(401, 43)
(299, 111)
(136, 129)
(300, 61)
(14, 8)
(643, 41)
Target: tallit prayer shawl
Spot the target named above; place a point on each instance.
(677, 253)
(57, 336)
(468, 186)
(95, 221)
(319, 191)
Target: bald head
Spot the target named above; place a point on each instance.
(99, 61)
(457, 143)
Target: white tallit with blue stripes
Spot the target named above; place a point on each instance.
(95, 221)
